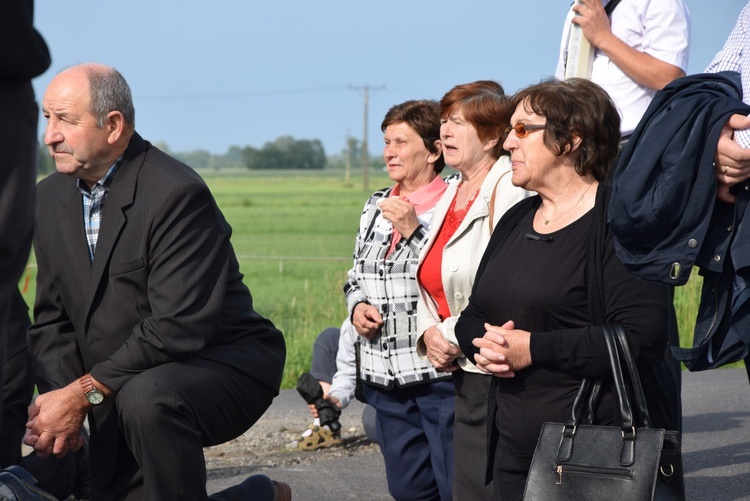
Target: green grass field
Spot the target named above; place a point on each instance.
(294, 236)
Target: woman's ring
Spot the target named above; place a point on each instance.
(726, 169)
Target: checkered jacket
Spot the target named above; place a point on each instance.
(390, 285)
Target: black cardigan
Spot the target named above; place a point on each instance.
(615, 295)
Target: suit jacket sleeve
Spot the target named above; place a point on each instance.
(187, 263)
(52, 337)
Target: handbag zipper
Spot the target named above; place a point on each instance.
(571, 469)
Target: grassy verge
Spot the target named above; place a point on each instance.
(294, 236)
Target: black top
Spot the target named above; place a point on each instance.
(569, 346)
(539, 282)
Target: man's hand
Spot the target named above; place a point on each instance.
(401, 214)
(367, 320)
(56, 420)
(441, 354)
(594, 22)
(642, 68)
(732, 161)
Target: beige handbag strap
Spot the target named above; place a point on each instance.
(492, 201)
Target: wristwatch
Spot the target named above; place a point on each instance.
(93, 395)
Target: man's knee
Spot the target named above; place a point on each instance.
(142, 403)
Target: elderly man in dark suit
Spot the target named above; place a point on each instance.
(141, 318)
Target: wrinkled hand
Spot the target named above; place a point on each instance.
(732, 161)
(503, 350)
(56, 421)
(593, 21)
(367, 320)
(401, 214)
(441, 354)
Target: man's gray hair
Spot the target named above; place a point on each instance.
(110, 92)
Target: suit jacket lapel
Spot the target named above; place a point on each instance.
(74, 234)
(119, 197)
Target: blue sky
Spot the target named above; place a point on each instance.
(208, 75)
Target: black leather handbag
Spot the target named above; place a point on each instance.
(580, 461)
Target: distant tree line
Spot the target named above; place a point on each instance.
(285, 152)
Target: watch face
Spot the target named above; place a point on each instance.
(95, 397)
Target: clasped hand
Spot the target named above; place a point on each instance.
(56, 421)
(503, 350)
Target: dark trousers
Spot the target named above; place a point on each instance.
(470, 434)
(415, 433)
(164, 417)
(18, 387)
(325, 348)
(18, 121)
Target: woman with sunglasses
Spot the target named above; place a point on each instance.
(550, 278)
(473, 118)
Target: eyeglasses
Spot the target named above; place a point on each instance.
(523, 130)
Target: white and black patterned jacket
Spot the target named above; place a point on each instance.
(390, 285)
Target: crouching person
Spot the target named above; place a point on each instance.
(141, 321)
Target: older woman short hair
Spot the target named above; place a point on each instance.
(580, 109)
(474, 117)
(413, 400)
(549, 280)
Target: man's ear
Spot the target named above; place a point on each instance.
(115, 125)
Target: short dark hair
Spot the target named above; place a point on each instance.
(110, 92)
(422, 116)
(576, 107)
(484, 105)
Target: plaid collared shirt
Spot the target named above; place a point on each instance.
(735, 56)
(93, 204)
(389, 283)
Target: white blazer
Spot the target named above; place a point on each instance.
(463, 252)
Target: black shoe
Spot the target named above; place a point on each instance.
(17, 484)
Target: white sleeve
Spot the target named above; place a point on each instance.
(345, 379)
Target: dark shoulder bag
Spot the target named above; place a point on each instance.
(581, 461)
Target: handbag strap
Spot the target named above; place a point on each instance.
(626, 353)
(627, 426)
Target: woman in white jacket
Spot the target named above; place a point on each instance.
(473, 119)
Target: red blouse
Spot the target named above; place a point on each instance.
(429, 275)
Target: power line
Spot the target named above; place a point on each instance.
(228, 95)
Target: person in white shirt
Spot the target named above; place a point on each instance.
(732, 162)
(640, 48)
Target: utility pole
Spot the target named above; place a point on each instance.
(365, 160)
(348, 162)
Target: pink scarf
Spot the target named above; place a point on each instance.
(423, 199)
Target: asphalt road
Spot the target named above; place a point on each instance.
(716, 448)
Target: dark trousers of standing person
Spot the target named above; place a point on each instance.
(18, 128)
(470, 436)
(18, 387)
(164, 417)
(415, 434)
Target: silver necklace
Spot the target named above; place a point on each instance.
(579, 202)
